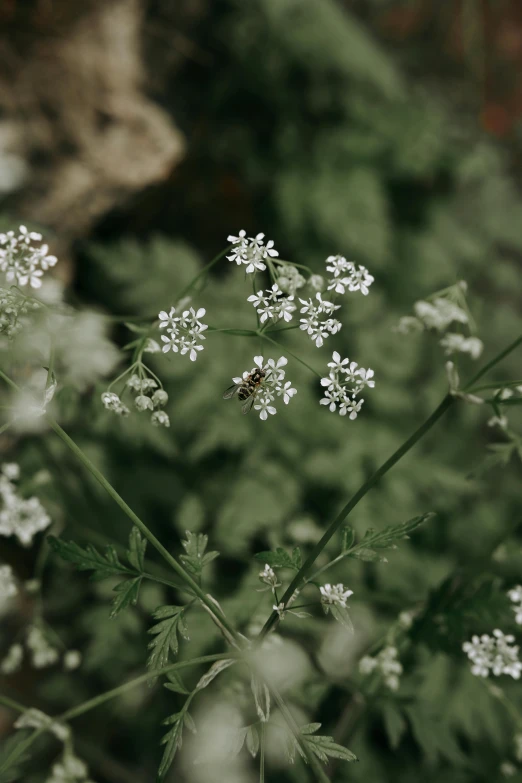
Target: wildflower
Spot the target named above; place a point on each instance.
(407, 324)
(151, 346)
(347, 276)
(160, 419)
(11, 470)
(405, 619)
(112, 402)
(280, 609)
(344, 382)
(71, 660)
(13, 309)
(493, 654)
(439, 313)
(453, 342)
(515, 596)
(386, 664)
(42, 653)
(70, 769)
(273, 304)
(160, 398)
(498, 421)
(21, 261)
(290, 280)
(264, 406)
(316, 327)
(143, 403)
(36, 719)
(334, 595)
(272, 382)
(268, 577)
(251, 251)
(21, 517)
(185, 331)
(316, 283)
(13, 659)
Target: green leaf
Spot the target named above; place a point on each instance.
(136, 551)
(347, 538)
(195, 558)
(213, 672)
(12, 755)
(128, 592)
(172, 741)
(189, 723)
(321, 746)
(261, 696)
(342, 616)
(175, 683)
(394, 723)
(103, 565)
(433, 734)
(385, 539)
(166, 635)
(280, 558)
(367, 555)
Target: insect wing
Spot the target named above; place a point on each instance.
(247, 406)
(229, 393)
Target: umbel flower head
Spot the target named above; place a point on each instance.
(259, 387)
(184, 330)
(273, 305)
(347, 276)
(386, 664)
(251, 251)
(345, 381)
(494, 654)
(20, 517)
(334, 595)
(22, 261)
(515, 596)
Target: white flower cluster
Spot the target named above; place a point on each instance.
(438, 315)
(184, 330)
(386, 665)
(272, 304)
(148, 397)
(8, 587)
(251, 251)
(13, 659)
(21, 261)
(42, 653)
(344, 382)
(36, 719)
(314, 324)
(493, 654)
(268, 577)
(515, 596)
(334, 595)
(70, 769)
(272, 384)
(20, 517)
(13, 308)
(347, 276)
(290, 280)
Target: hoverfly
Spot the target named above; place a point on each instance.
(247, 389)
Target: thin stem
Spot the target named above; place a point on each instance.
(274, 342)
(8, 380)
(496, 359)
(203, 272)
(299, 578)
(5, 427)
(239, 332)
(196, 589)
(12, 704)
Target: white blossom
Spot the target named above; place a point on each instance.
(70, 769)
(160, 398)
(386, 664)
(71, 660)
(273, 383)
(251, 251)
(453, 342)
(42, 653)
(268, 577)
(151, 346)
(494, 654)
(316, 282)
(184, 329)
(347, 276)
(160, 419)
(20, 517)
(13, 659)
(344, 382)
(334, 595)
(290, 280)
(112, 402)
(263, 404)
(515, 596)
(498, 421)
(439, 313)
(14, 307)
(143, 403)
(272, 304)
(22, 262)
(317, 327)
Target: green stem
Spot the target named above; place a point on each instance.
(496, 359)
(5, 427)
(12, 704)
(203, 272)
(195, 588)
(285, 348)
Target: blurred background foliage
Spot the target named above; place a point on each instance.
(359, 128)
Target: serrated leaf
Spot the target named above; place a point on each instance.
(128, 592)
(385, 539)
(166, 636)
(323, 747)
(261, 696)
(136, 551)
(88, 558)
(252, 741)
(433, 734)
(213, 672)
(278, 559)
(367, 555)
(189, 722)
(195, 558)
(394, 724)
(12, 755)
(342, 615)
(172, 741)
(175, 683)
(297, 559)
(347, 538)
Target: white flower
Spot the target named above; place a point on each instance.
(347, 276)
(251, 251)
(42, 653)
(493, 654)
(160, 398)
(160, 419)
(343, 383)
(453, 342)
(313, 324)
(290, 279)
(21, 261)
(8, 586)
(20, 517)
(508, 769)
(271, 384)
(269, 577)
(11, 470)
(184, 331)
(407, 324)
(386, 664)
(498, 421)
(287, 392)
(334, 595)
(351, 407)
(273, 304)
(515, 596)
(151, 346)
(440, 313)
(13, 659)
(143, 403)
(113, 403)
(316, 282)
(72, 659)
(263, 404)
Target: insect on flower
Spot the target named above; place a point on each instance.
(246, 388)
